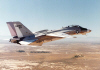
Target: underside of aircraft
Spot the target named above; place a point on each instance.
(23, 36)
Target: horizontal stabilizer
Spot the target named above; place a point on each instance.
(27, 42)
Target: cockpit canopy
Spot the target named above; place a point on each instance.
(74, 26)
(78, 26)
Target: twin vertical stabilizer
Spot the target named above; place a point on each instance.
(18, 29)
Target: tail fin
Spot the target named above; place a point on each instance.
(18, 29)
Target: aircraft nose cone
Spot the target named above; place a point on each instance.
(88, 30)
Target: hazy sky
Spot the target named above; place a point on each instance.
(50, 14)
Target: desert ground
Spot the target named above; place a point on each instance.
(51, 56)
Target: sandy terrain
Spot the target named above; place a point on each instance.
(70, 56)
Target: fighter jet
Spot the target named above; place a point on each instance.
(23, 36)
